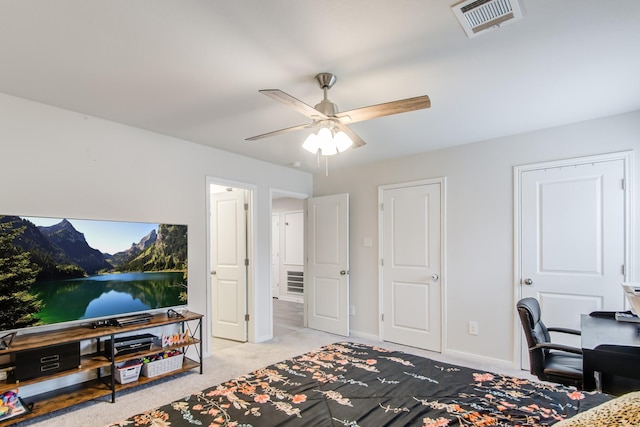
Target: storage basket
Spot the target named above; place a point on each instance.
(162, 366)
(128, 373)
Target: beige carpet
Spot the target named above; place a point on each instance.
(228, 361)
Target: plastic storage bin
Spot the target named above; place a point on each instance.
(162, 366)
(128, 372)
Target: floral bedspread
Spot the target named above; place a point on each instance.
(348, 384)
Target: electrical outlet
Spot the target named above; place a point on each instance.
(474, 328)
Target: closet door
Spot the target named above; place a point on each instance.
(412, 265)
(572, 239)
(327, 278)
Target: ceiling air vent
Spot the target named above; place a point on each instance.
(476, 16)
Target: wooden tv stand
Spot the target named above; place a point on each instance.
(104, 385)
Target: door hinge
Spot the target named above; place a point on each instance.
(382, 262)
(246, 262)
(246, 317)
(624, 184)
(382, 317)
(622, 269)
(246, 206)
(381, 206)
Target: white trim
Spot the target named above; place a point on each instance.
(443, 258)
(364, 336)
(629, 221)
(290, 194)
(473, 357)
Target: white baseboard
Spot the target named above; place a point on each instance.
(453, 356)
(490, 361)
(364, 336)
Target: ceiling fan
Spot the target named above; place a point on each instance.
(326, 114)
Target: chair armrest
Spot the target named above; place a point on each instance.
(560, 347)
(564, 331)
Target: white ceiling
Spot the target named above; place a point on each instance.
(192, 68)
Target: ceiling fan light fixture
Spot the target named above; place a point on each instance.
(329, 150)
(342, 141)
(326, 142)
(325, 134)
(312, 143)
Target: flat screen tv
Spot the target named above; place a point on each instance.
(55, 270)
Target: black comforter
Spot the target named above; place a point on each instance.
(348, 384)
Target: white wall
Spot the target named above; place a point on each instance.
(479, 223)
(58, 163)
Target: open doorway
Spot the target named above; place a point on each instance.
(287, 262)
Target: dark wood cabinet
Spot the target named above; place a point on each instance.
(96, 361)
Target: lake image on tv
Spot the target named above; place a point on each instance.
(108, 295)
(56, 270)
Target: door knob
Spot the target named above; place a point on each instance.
(435, 277)
(528, 281)
(213, 272)
(343, 272)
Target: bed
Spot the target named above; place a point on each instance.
(351, 384)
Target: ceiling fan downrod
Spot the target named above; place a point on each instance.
(326, 82)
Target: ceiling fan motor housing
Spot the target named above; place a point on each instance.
(327, 108)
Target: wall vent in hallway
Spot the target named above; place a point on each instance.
(295, 282)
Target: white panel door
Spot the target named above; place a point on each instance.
(275, 255)
(411, 253)
(572, 241)
(327, 278)
(229, 272)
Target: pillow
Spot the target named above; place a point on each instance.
(622, 411)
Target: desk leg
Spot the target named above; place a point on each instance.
(588, 370)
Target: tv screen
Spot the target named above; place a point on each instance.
(55, 270)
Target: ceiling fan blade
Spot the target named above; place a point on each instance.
(357, 141)
(278, 132)
(294, 103)
(386, 109)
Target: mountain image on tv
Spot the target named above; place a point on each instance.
(59, 270)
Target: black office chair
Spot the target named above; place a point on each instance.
(551, 362)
